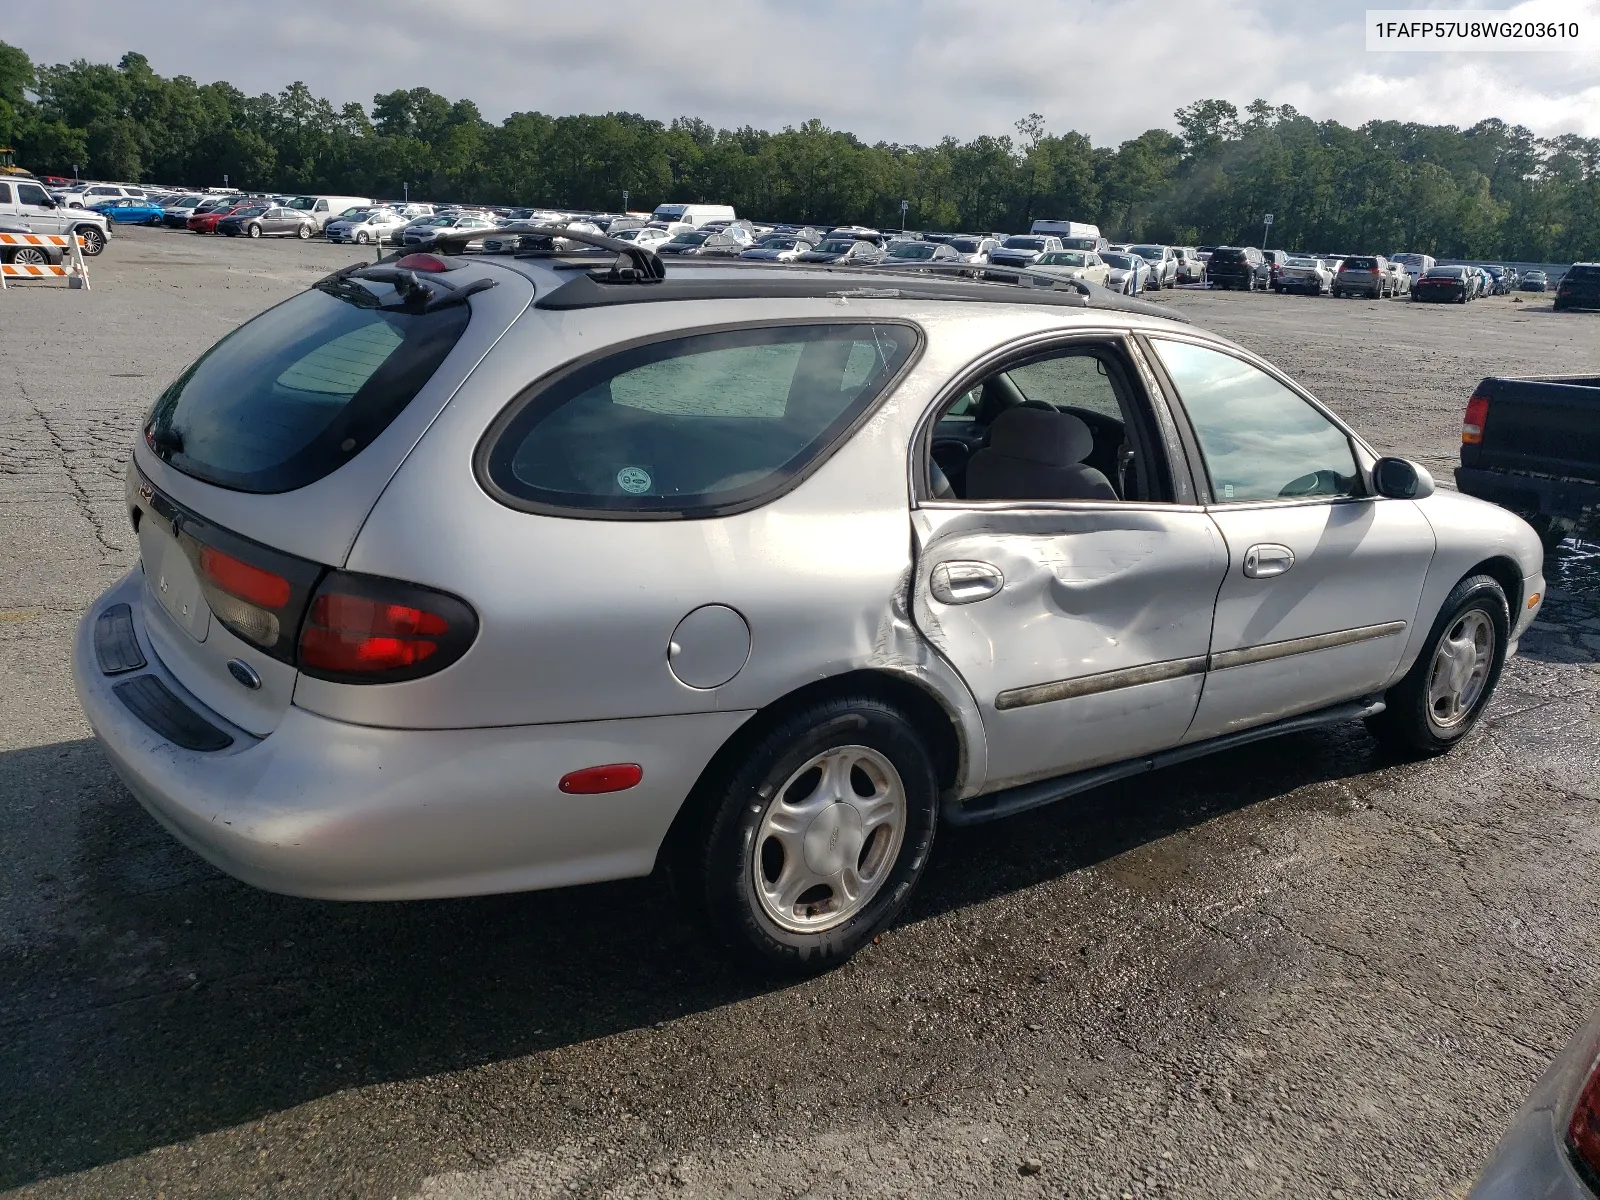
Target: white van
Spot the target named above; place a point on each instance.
(1416, 265)
(323, 209)
(675, 218)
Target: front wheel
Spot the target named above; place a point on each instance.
(1445, 692)
(814, 841)
(255, 231)
(361, 237)
(29, 256)
(93, 240)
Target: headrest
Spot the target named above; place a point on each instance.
(1057, 438)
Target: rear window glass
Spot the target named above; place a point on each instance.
(694, 425)
(289, 396)
(1361, 264)
(1227, 254)
(1591, 273)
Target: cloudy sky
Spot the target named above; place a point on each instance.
(898, 70)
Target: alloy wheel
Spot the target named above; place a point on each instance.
(1460, 669)
(829, 839)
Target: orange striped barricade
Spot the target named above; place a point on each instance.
(73, 270)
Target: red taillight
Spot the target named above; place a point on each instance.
(591, 781)
(353, 633)
(1476, 418)
(361, 629)
(1583, 1129)
(423, 262)
(239, 578)
(1374, 271)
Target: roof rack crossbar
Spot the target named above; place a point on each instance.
(643, 266)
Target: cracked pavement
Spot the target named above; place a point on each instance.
(1299, 969)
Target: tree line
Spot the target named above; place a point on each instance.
(1490, 191)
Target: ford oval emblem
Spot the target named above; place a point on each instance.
(244, 673)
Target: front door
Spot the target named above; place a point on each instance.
(1075, 601)
(1323, 580)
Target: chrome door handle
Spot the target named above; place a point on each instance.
(964, 582)
(1267, 560)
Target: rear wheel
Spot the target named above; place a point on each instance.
(812, 844)
(303, 233)
(1445, 692)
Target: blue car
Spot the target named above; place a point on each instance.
(128, 211)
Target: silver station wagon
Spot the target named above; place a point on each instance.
(467, 573)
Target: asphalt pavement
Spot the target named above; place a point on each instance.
(1299, 969)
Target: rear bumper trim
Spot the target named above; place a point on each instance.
(147, 698)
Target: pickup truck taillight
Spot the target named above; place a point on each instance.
(1476, 418)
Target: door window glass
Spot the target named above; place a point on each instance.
(1077, 381)
(5, 194)
(1260, 441)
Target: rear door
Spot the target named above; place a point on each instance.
(1080, 626)
(1323, 579)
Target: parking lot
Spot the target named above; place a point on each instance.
(1297, 969)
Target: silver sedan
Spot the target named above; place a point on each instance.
(471, 573)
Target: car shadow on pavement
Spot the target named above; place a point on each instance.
(156, 999)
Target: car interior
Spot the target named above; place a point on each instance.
(1067, 425)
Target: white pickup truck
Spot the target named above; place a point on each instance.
(26, 202)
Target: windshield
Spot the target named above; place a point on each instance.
(914, 250)
(291, 395)
(964, 245)
(1062, 258)
(303, 203)
(1446, 273)
(1302, 262)
(1122, 262)
(254, 211)
(668, 212)
(834, 247)
(1080, 243)
(1024, 243)
(1149, 251)
(691, 239)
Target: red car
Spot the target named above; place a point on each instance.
(206, 222)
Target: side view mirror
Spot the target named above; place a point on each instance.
(1401, 479)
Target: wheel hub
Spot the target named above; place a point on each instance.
(833, 838)
(1460, 670)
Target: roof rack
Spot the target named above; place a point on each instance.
(634, 264)
(972, 282)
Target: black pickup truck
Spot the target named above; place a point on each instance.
(1533, 446)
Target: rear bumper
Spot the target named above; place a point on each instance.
(1533, 494)
(348, 812)
(1365, 286)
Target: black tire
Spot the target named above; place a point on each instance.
(28, 256)
(303, 233)
(720, 859)
(93, 240)
(1552, 531)
(1408, 724)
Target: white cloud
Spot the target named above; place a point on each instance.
(898, 70)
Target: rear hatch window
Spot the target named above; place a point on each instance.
(692, 426)
(1584, 274)
(288, 397)
(1227, 255)
(1361, 264)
